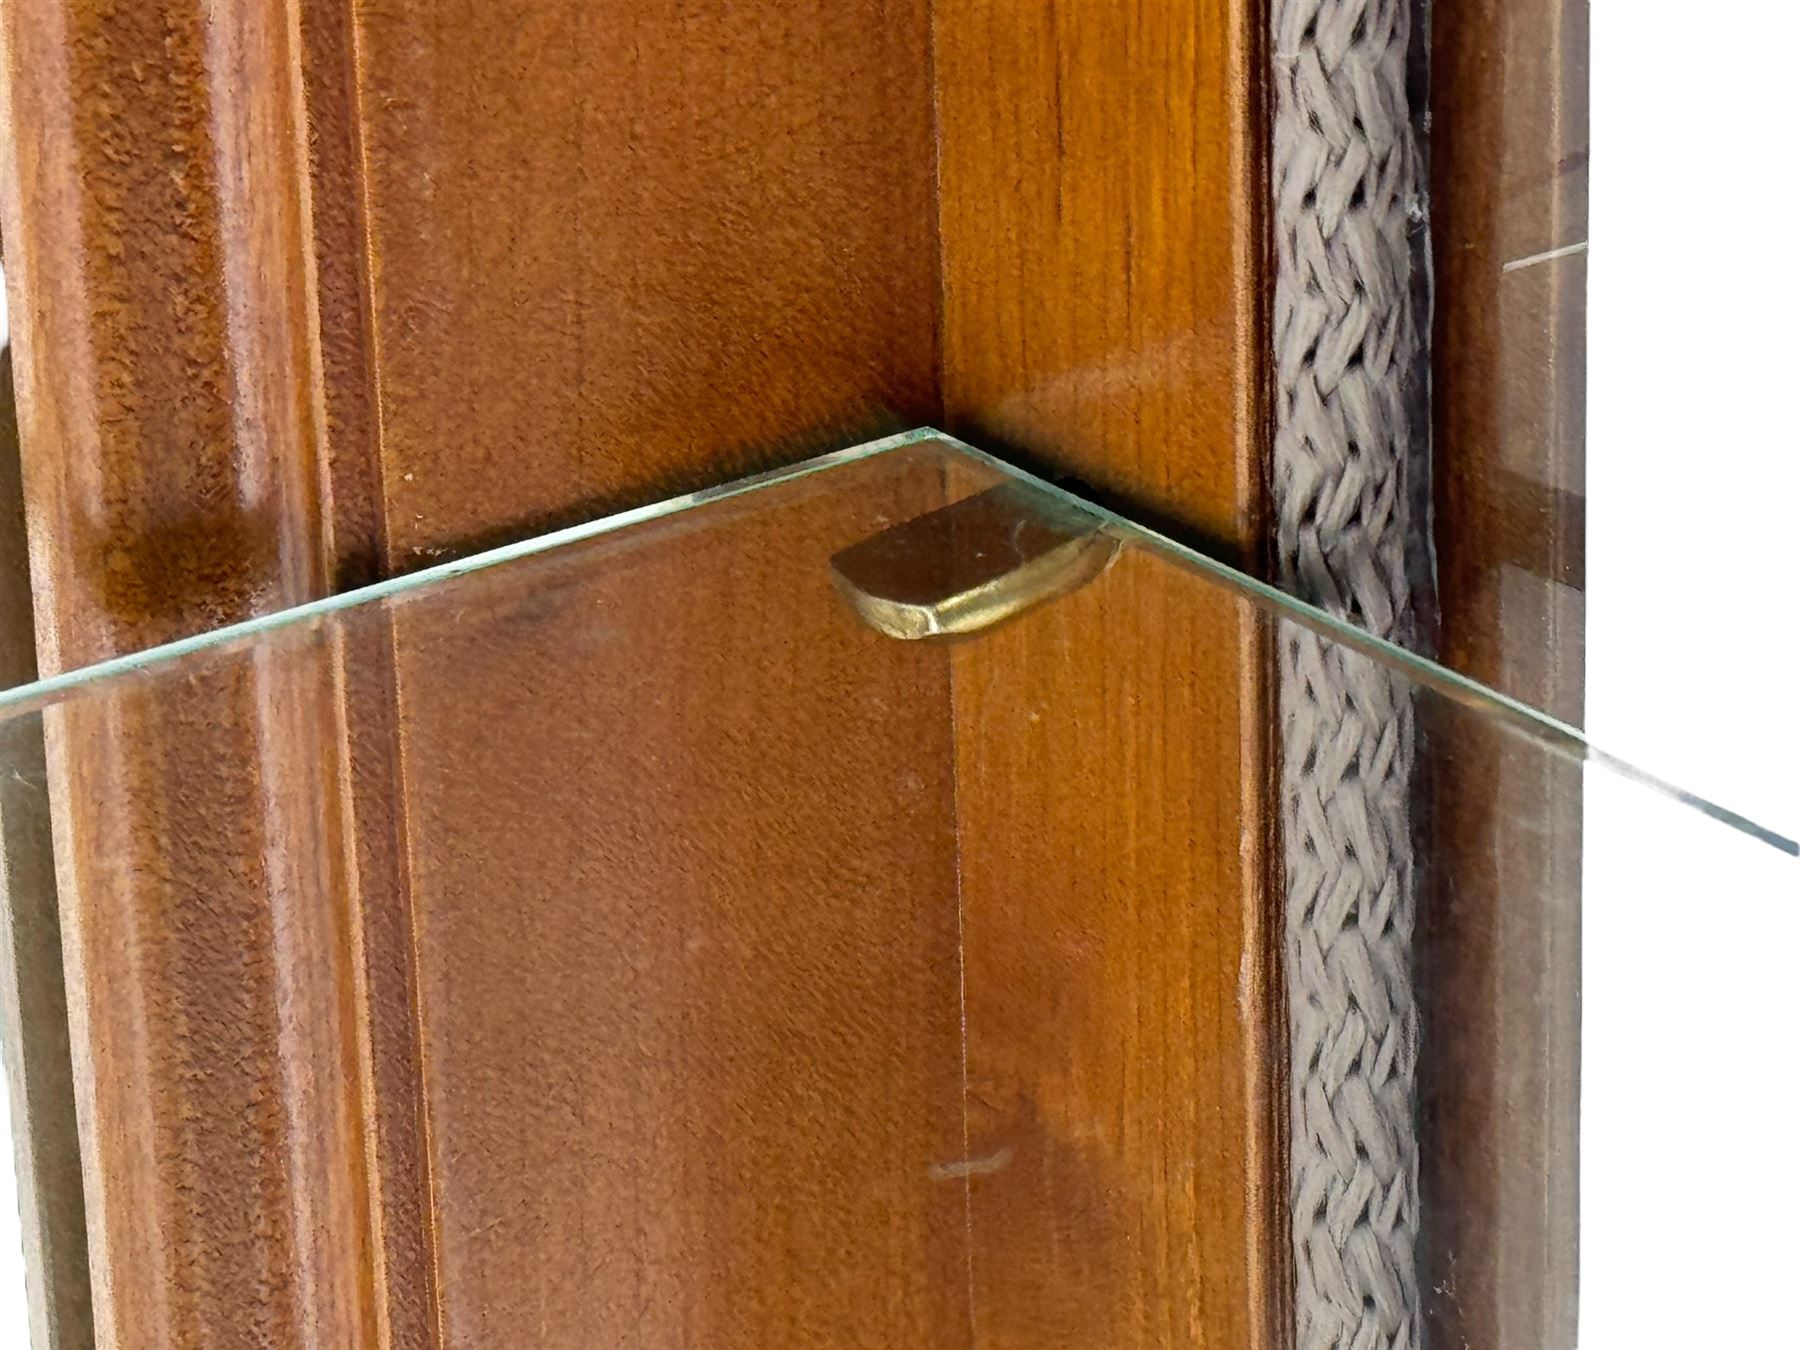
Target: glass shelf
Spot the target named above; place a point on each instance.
(759, 971)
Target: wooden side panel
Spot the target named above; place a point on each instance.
(620, 252)
(157, 271)
(1499, 932)
(383, 972)
(1101, 228)
(1102, 249)
(516, 263)
(1119, 1037)
(1509, 230)
(205, 937)
(524, 263)
(688, 942)
(612, 255)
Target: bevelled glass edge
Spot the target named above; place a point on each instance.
(51, 689)
(1555, 735)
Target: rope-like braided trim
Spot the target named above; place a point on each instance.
(1344, 168)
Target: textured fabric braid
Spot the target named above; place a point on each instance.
(1345, 169)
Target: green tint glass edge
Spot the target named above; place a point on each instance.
(1554, 735)
(52, 689)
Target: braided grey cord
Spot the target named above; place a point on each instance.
(1344, 170)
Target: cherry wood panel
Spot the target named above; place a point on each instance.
(1499, 929)
(1103, 317)
(513, 264)
(382, 969)
(620, 252)
(228, 409)
(1509, 206)
(694, 1074)
(1103, 249)
(607, 257)
(156, 262)
(1121, 1046)
(204, 925)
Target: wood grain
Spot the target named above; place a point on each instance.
(618, 254)
(609, 258)
(1102, 235)
(155, 259)
(514, 264)
(400, 352)
(1101, 207)
(155, 264)
(34, 1016)
(689, 1071)
(1119, 1032)
(383, 972)
(1500, 928)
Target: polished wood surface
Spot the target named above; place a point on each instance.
(203, 930)
(156, 263)
(522, 265)
(1103, 239)
(1500, 930)
(688, 941)
(615, 256)
(1102, 235)
(154, 244)
(1509, 228)
(633, 256)
(1120, 1032)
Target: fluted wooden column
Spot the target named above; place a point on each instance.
(155, 227)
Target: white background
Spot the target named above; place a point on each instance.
(1691, 942)
(1691, 949)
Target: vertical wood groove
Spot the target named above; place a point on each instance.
(395, 1153)
(157, 254)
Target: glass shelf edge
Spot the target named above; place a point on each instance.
(51, 689)
(1557, 736)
